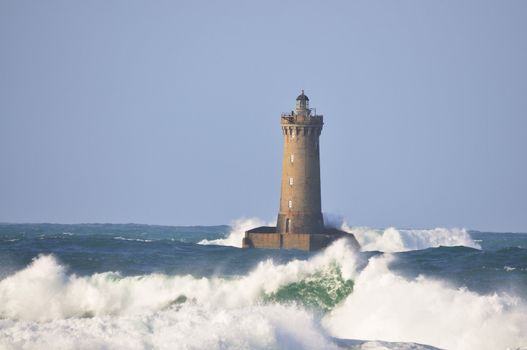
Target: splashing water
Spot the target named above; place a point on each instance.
(388, 240)
(300, 303)
(387, 306)
(61, 295)
(235, 236)
(393, 240)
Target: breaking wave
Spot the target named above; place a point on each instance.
(45, 307)
(322, 290)
(388, 240)
(62, 295)
(188, 327)
(392, 240)
(386, 306)
(235, 236)
(302, 304)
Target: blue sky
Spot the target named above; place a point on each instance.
(167, 112)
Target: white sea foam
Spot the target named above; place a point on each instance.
(42, 306)
(191, 326)
(235, 236)
(386, 306)
(398, 240)
(385, 240)
(61, 295)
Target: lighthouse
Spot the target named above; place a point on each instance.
(300, 204)
(300, 224)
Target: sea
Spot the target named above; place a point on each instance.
(130, 286)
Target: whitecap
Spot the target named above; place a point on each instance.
(235, 236)
(133, 239)
(387, 306)
(392, 240)
(43, 306)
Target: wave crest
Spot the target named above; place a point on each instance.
(388, 240)
(108, 310)
(392, 240)
(235, 236)
(386, 306)
(44, 290)
(322, 290)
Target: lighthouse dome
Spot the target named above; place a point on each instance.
(302, 104)
(302, 97)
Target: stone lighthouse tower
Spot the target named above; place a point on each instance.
(300, 224)
(300, 207)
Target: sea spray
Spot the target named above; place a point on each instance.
(392, 240)
(62, 295)
(387, 240)
(47, 305)
(387, 306)
(235, 236)
(190, 326)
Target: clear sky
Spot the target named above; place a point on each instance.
(167, 112)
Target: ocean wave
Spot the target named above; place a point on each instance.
(43, 306)
(322, 290)
(107, 311)
(235, 236)
(190, 326)
(392, 240)
(388, 240)
(386, 306)
(255, 327)
(62, 295)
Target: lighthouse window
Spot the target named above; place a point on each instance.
(290, 204)
(291, 181)
(292, 158)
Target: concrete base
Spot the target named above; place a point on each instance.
(267, 237)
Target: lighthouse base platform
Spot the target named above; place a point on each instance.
(266, 237)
